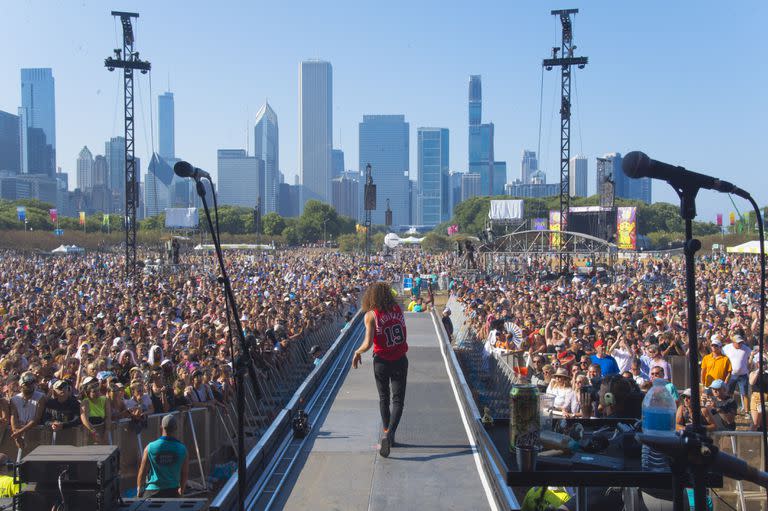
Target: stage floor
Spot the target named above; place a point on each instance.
(432, 468)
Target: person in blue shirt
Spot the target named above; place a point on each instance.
(164, 466)
(607, 363)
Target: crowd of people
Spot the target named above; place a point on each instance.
(617, 331)
(80, 345)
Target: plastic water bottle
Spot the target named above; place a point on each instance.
(659, 412)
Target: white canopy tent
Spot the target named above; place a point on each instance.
(67, 249)
(750, 247)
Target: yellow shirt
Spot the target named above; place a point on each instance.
(7, 488)
(714, 368)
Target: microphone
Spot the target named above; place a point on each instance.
(637, 164)
(185, 169)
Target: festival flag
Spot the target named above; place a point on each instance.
(54, 214)
(21, 211)
(719, 219)
(539, 224)
(732, 218)
(82, 218)
(360, 228)
(453, 229)
(105, 220)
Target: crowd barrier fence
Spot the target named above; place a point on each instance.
(209, 433)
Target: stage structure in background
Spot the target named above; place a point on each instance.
(626, 228)
(540, 224)
(129, 60)
(181, 218)
(369, 200)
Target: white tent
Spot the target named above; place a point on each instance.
(67, 249)
(750, 247)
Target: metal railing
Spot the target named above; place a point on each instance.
(208, 433)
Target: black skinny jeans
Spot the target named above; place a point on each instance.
(392, 374)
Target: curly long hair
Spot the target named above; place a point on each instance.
(379, 297)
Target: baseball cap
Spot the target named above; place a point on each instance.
(687, 392)
(716, 384)
(716, 341)
(599, 343)
(61, 384)
(737, 338)
(27, 377)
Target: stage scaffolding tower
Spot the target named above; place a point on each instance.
(565, 60)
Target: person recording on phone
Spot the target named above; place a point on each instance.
(385, 331)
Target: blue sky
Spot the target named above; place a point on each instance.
(682, 81)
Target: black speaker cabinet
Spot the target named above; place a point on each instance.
(42, 497)
(94, 465)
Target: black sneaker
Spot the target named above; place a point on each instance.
(385, 445)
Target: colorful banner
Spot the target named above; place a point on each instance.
(452, 229)
(105, 220)
(82, 218)
(539, 224)
(554, 225)
(719, 219)
(360, 228)
(21, 211)
(626, 228)
(732, 218)
(54, 214)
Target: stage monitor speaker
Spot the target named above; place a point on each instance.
(42, 497)
(93, 465)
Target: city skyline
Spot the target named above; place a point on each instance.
(612, 97)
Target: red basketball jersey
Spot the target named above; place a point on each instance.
(389, 342)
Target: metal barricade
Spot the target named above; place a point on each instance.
(741, 495)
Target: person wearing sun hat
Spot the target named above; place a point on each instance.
(560, 387)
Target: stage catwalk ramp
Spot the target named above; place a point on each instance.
(435, 466)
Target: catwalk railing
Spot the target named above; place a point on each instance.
(208, 433)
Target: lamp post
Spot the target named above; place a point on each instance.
(324, 223)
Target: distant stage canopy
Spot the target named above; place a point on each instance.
(506, 210)
(181, 218)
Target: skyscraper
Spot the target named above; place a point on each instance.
(315, 130)
(85, 169)
(100, 171)
(384, 143)
(480, 139)
(266, 142)
(114, 152)
(157, 186)
(9, 142)
(337, 162)
(38, 107)
(470, 185)
(578, 169)
(166, 126)
(529, 165)
(346, 191)
(240, 176)
(432, 161)
(499, 177)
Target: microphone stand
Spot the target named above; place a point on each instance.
(241, 362)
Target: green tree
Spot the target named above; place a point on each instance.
(291, 236)
(435, 242)
(273, 224)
